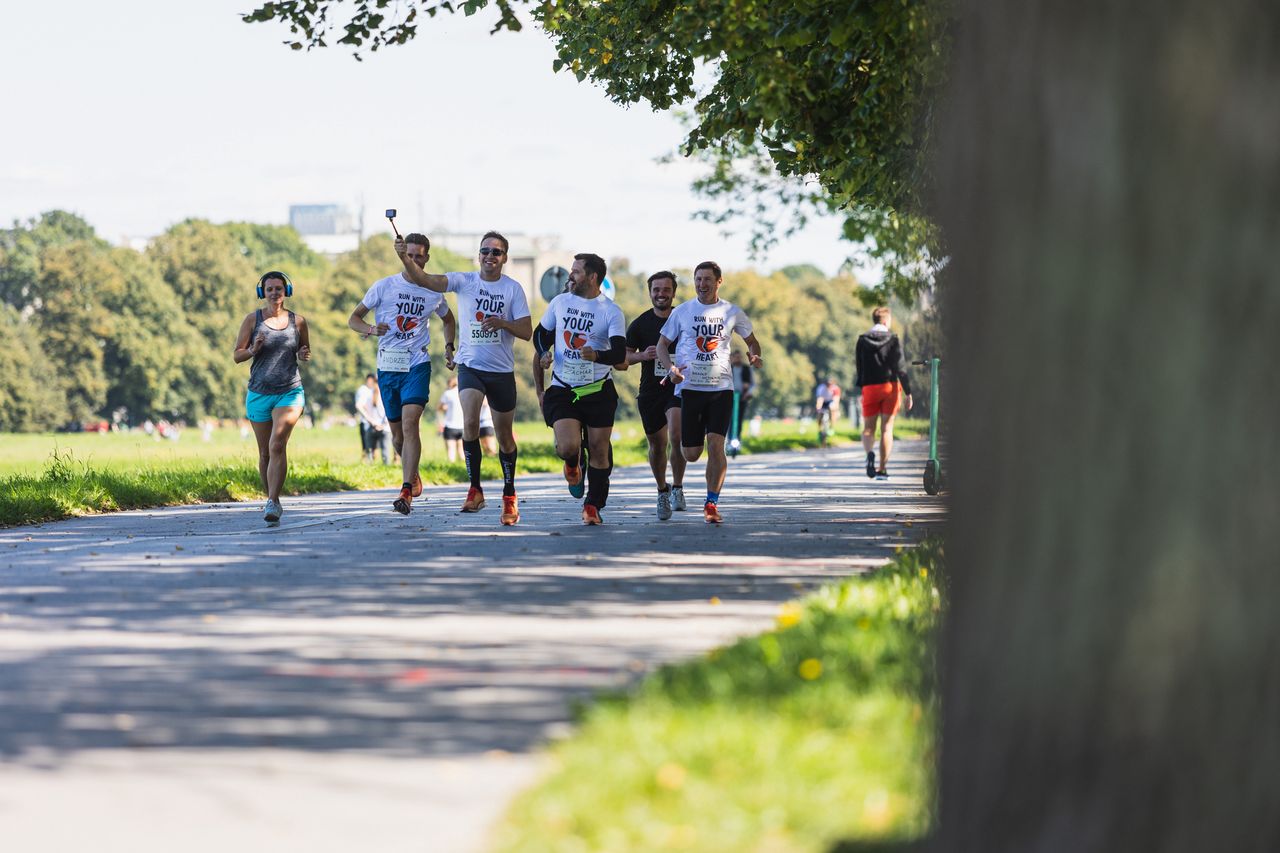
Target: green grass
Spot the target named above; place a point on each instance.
(817, 732)
(44, 477)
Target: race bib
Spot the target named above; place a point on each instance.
(659, 372)
(577, 372)
(704, 373)
(393, 360)
(480, 338)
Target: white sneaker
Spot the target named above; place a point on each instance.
(677, 498)
(664, 505)
(271, 512)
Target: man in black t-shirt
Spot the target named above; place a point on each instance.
(658, 404)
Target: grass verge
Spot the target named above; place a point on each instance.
(225, 470)
(818, 732)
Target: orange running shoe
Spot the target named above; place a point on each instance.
(510, 511)
(474, 501)
(710, 514)
(404, 502)
(591, 515)
(417, 484)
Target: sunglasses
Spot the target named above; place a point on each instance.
(486, 251)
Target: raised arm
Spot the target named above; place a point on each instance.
(416, 274)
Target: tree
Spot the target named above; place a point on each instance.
(836, 95)
(21, 245)
(31, 398)
(1108, 180)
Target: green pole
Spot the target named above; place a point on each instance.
(933, 407)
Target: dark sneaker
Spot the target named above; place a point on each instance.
(403, 503)
(882, 475)
(871, 465)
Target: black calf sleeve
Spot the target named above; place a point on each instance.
(471, 453)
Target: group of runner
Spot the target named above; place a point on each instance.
(685, 394)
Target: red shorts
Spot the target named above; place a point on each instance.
(882, 399)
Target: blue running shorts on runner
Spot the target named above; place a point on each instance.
(404, 389)
(257, 407)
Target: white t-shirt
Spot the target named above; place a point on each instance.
(702, 348)
(580, 322)
(404, 307)
(477, 299)
(452, 403)
(364, 403)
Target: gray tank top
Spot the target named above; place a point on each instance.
(275, 367)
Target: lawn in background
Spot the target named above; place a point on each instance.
(51, 476)
(820, 731)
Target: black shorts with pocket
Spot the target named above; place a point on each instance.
(593, 410)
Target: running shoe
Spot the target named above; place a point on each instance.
(677, 498)
(871, 465)
(590, 515)
(710, 514)
(271, 512)
(417, 484)
(404, 502)
(882, 475)
(510, 510)
(664, 505)
(576, 480)
(474, 501)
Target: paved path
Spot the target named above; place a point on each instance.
(188, 679)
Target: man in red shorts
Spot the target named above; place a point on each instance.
(882, 377)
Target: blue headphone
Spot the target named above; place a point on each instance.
(262, 283)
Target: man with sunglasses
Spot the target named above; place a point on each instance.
(494, 312)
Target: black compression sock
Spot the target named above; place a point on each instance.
(508, 462)
(597, 486)
(471, 453)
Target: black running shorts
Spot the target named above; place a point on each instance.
(702, 412)
(653, 409)
(500, 388)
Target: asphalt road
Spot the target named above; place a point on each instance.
(189, 679)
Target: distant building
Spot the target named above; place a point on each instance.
(329, 229)
(317, 219)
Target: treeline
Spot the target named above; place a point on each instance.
(93, 329)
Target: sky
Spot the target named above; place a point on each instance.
(137, 114)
